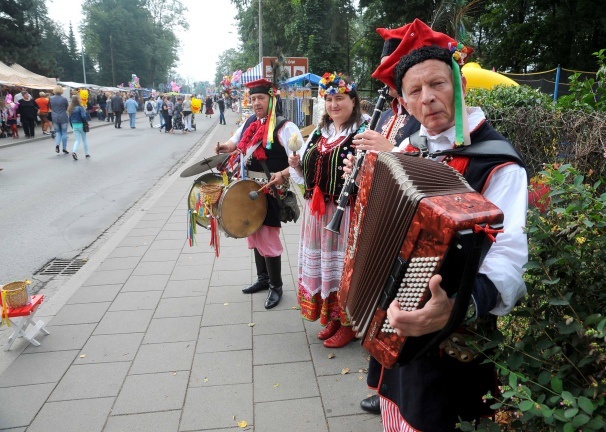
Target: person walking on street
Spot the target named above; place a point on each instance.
(44, 112)
(78, 118)
(209, 107)
(167, 113)
(118, 108)
(131, 108)
(187, 110)
(221, 105)
(59, 105)
(159, 103)
(150, 110)
(28, 110)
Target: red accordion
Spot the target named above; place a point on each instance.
(413, 218)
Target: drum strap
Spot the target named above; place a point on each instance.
(246, 157)
(273, 188)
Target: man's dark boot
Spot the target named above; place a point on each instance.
(371, 404)
(262, 282)
(274, 269)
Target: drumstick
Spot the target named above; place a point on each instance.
(253, 195)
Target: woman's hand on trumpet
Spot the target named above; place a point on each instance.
(370, 140)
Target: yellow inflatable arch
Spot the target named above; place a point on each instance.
(483, 78)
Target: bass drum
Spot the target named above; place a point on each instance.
(239, 216)
(194, 195)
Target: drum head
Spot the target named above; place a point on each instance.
(194, 194)
(239, 216)
(205, 165)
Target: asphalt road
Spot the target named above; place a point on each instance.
(53, 207)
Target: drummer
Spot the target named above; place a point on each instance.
(263, 140)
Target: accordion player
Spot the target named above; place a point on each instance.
(413, 218)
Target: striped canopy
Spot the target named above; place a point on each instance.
(253, 74)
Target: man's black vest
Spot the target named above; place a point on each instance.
(277, 159)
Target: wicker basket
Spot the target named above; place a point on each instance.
(210, 192)
(16, 294)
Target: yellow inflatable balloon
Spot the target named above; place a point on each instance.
(483, 78)
(196, 105)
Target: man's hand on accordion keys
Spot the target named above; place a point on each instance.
(431, 318)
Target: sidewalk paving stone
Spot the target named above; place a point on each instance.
(95, 294)
(342, 393)
(173, 330)
(186, 288)
(181, 273)
(130, 301)
(161, 255)
(124, 322)
(145, 283)
(163, 357)
(265, 322)
(91, 381)
(63, 338)
(37, 368)
(224, 338)
(149, 233)
(174, 307)
(232, 264)
(110, 348)
(228, 294)
(280, 348)
(284, 381)
(351, 356)
(108, 277)
(16, 412)
(125, 263)
(137, 241)
(167, 421)
(356, 423)
(81, 313)
(221, 368)
(129, 251)
(225, 277)
(197, 259)
(154, 268)
(221, 314)
(215, 407)
(73, 416)
(304, 415)
(168, 244)
(152, 393)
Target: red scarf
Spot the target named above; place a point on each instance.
(253, 135)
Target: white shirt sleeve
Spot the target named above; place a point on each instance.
(294, 175)
(237, 136)
(503, 265)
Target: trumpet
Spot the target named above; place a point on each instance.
(335, 223)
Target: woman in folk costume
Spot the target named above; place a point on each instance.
(262, 142)
(319, 165)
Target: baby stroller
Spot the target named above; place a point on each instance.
(178, 121)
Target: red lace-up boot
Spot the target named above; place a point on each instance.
(329, 330)
(342, 337)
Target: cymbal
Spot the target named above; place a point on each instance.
(205, 165)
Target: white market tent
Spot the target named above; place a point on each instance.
(17, 76)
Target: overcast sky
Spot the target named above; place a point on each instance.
(212, 30)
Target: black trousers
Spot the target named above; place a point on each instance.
(118, 121)
(29, 125)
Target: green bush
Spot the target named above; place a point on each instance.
(551, 350)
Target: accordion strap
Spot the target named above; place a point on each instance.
(482, 149)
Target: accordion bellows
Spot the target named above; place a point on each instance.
(413, 218)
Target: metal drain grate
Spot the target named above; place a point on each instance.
(62, 267)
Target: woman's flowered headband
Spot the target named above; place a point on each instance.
(333, 83)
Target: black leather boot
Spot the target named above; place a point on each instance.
(262, 282)
(371, 404)
(274, 269)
